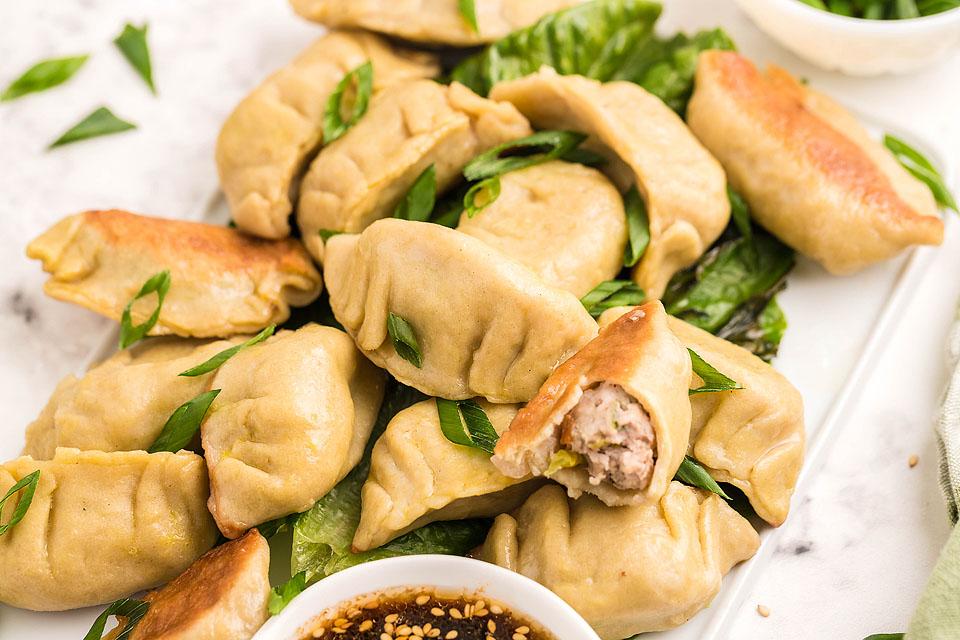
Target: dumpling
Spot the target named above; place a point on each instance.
(362, 176)
(222, 282)
(293, 417)
(485, 324)
(626, 570)
(417, 476)
(265, 143)
(614, 419)
(565, 221)
(223, 595)
(122, 403)
(432, 21)
(753, 437)
(811, 173)
(646, 144)
(102, 526)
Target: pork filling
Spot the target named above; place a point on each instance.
(613, 433)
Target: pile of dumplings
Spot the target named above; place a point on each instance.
(594, 417)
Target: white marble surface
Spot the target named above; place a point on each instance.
(862, 537)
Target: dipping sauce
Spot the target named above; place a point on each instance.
(423, 613)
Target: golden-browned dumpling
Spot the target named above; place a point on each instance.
(293, 417)
(485, 324)
(265, 142)
(614, 419)
(222, 282)
(122, 403)
(221, 596)
(432, 21)
(646, 144)
(563, 220)
(626, 570)
(811, 173)
(417, 476)
(102, 526)
(362, 176)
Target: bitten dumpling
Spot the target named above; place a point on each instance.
(102, 526)
(485, 324)
(753, 437)
(265, 142)
(122, 403)
(627, 570)
(563, 220)
(293, 417)
(362, 176)
(431, 21)
(221, 596)
(614, 419)
(811, 173)
(222, 282)
(417, 476)
(646, 144)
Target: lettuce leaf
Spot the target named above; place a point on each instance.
(322, 536)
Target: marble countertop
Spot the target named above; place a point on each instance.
(862, 538)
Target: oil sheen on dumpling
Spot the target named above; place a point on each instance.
(274, 131)
(614, 419)
(122, 403)
(486, 325)
(563, 220)
(222, 282)
(362, 176)
(811, 173)
(293, 417)
(417, 476)
(102, 526)
(646, 144)
(753, 437)
(627, 570)
(431, 21)
(221, 596)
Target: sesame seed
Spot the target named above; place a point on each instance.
(913, 460)
(422, 600)
(455, 613)
(468, 611)
(763, 610)
(523, 630)
(480, 604)
(418, 631)
(318, 632)
(480, 612)
(491, 626)
(339, 622)
(437, 611)
(489, 637)
(354, 613)
(433, 633)
(366, 625)
(386, 636)
(404, 630)
(518, 636)
(339, 630)
(388, 627)
(427, 627)
(391, 618)
(373, 604)
(451, 635)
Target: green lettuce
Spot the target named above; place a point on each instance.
(322, 536)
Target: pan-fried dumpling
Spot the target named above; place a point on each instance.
(565, 221)
(485, 324)
(812, 174)
(102, 526)
(293, 417)
(362, 176)
(614, 419)
(646, 144)
(417, 476)
(626, 570)
(432, 21)
(753, 437)
(221, 596)
(222, 282)
(122, 403)
(274, 131)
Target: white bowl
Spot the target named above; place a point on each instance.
(854, 45)
(524, 596)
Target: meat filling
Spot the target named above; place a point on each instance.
(613, 433)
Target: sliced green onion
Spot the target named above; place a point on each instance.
(44, 75)
(101, 122)
(334, 124)
(921, 168)
(521, 153)
(693, 474)
(562, 459)
(158, 283)
(610, 294)
(404, 340)
(478, 432)
(326, 234)
(740, 213)
(282, 595)
(481, 195)
(713, 380)
(217, 360)
(468, 10)
(128, 608)
(638, 227)
(28, 484)
(132, 43)
(183, 423)
(418, 203)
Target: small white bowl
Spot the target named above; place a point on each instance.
(856, 46)
(524, 596)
